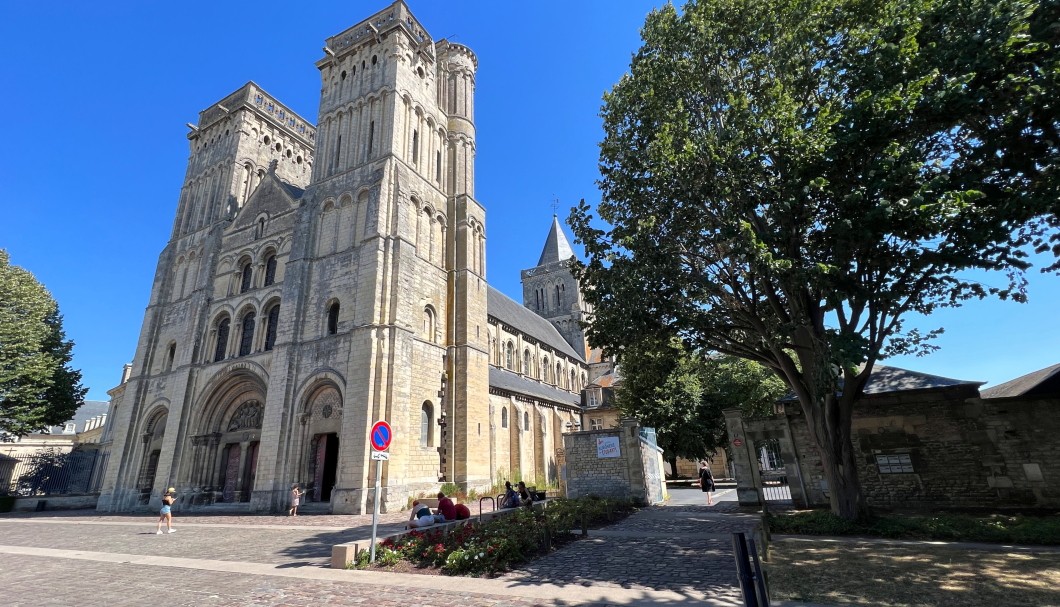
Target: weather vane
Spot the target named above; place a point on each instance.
(555, 205)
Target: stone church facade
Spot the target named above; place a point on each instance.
(321, 277)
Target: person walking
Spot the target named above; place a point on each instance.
(296, 494)
(166, 513)
(706, 482)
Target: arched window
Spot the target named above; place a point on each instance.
(509, 356)
(544, 370)
(559, 373)
(504, 417)
(333, 318)
(244, 279)
(270, 270)
(526, 420)
(557, 297)
(429, 331)
(170, 355)
(526, 362)
(272, 319)
(222, 340)
(415, 146)
(426, 423)
(573, 380)
(246, 338)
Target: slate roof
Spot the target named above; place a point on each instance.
(885, 380)
(513, 382)
(507, 310)
(1041, 382)
(888, 380)
(90, 409)
(557, 248)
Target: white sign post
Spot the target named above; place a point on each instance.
(380, 438)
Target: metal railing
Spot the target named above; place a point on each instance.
(53, 473)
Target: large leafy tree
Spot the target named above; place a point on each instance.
(789, 179)
(38, 388)
(682, 395)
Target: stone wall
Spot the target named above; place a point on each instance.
(943, 448)
(633, 472)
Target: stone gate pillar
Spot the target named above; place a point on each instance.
(745, 465)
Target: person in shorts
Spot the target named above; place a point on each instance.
(296, 495)
(166, 513)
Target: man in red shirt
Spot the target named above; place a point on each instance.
(446, 507)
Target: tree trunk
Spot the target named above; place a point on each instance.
(672, 460)
(829, 424)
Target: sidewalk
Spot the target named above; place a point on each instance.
(659, 556)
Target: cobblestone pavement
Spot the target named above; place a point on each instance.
(46, 582)
(658, 556)
(685, 549)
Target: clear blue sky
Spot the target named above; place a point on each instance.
(94, 154)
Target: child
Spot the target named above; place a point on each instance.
(295, 494)
(166, 513)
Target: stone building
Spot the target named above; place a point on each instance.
(924, 441)
(321, 277)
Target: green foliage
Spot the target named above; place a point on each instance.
(790, 180)
(450, 489)
(498, 544)
(37, 386)
(682, 394)
(1020, 529)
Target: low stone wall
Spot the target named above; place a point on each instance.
(56, 502)
(931, 449)
(613, 463)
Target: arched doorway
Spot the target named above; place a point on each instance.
(154, 432)
(225, 451)
(321, 422)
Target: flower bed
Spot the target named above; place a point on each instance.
(497, 545)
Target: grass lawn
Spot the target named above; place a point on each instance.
(907, 575)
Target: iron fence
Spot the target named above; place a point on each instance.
(53, 473)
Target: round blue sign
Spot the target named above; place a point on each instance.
(381, 435)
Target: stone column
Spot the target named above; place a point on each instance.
(746, 466)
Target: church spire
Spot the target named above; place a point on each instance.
(557, 248)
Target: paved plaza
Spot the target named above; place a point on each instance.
(676, 554)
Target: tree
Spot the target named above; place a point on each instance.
(38, 388)
(789, 179)
(682, 395)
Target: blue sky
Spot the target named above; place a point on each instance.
(97, 96)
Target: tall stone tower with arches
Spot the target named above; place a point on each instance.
(317, 279)
(551, 290)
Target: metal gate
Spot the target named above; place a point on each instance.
(772, 471)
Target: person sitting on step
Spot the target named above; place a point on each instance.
(421, 516)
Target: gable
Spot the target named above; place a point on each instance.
(272, 197)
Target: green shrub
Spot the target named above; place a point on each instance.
(496, 545)
(450, 489)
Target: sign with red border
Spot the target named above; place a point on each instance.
(381, 436)
(737, 442)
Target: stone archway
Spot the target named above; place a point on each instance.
(321, 424)
(154, 432)
(228, 432)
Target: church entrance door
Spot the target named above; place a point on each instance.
(231, 472)
(247, 485)
(327, 461)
